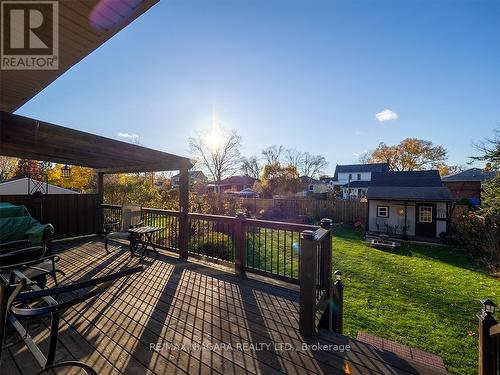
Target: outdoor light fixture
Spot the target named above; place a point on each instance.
(401, 211)
(489, 307)
(338, 275)
(66, 171)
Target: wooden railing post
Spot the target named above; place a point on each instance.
(338, 303)
(100, 201)
(327, 255)
(326, 275)
(240, 253)
(183, 213)
(486, 341)
(307, 316)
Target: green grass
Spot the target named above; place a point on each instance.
(422, 296)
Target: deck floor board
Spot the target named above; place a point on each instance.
(192, 308)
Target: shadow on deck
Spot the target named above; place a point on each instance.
(181, 317)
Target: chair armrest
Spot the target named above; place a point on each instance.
(139, 224)
(14, 245)
(111, 227)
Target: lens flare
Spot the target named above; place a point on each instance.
(110, 13)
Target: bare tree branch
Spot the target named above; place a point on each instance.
(272, 154)
(221, 161)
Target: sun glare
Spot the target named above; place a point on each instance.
(215, 138)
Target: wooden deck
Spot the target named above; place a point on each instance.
(181, 317)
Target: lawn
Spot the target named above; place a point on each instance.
(423, 296)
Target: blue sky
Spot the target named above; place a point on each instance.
(309, 75)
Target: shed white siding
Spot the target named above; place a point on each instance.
(20, 187)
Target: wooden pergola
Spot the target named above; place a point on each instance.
(29, 138)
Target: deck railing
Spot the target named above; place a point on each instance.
(168, 237)
(211, 236)
(295, 253)
(321, 302)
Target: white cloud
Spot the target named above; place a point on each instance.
(130, 136)
(386, 115)
(358, 154)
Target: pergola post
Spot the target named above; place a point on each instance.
(100, 200)
(183, 212)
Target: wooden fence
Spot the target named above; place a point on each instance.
(70, 214)
(338, 210)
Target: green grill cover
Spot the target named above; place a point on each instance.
(17, 224)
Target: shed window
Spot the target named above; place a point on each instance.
(425, 214)
(382, 211)
(311, 187)
(359, 176)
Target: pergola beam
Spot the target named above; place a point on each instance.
(34, 139)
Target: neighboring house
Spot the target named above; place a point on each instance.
(232, 184)
(468, 184)
(195, 178)
(29, 186)
(411, 204)
(310, 185)
(352, 181)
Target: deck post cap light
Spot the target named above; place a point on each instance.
(66, 171)
(326, 223)
(338, 275)
(489, 307)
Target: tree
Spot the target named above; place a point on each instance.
(82, 179)
(250, 167)
(312, 165)
(410, 154)
(293, 158)
(490, 197)
(272, 154)
(446, 170)
(26, 168)
(218, 152)
(490, 150)
(277, 179)
(7, 167)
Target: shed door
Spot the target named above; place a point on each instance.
(426, 220)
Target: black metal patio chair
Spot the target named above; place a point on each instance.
(130, 218)
(36, 262)
(22, 299)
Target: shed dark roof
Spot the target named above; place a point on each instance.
(408, 185)
(370, 167)
(473, 174)
(433, 194)
(407, 178)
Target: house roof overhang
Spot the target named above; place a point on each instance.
(78, 37)
(29, 138)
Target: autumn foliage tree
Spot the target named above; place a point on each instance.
(81, 180)
(409, 155)
(278, 179)
(27, 167)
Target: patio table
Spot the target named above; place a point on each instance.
(143, 236)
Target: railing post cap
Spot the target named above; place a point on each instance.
(308, 234)
(326, 223)
(241, 215)
(338, 274)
